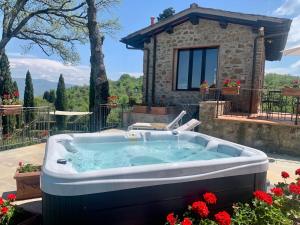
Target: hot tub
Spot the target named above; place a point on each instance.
(138, 177)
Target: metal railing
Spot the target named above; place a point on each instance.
(24, 126)
(260, 104)
(108, 116)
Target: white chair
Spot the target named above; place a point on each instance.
(193, 123)
(148, 126)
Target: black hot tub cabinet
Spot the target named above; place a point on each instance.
(141, 195)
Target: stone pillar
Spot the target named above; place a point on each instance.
(150, 71)
(208, 112)
(259, 71)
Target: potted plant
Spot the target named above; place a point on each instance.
(112, 101)
(27, 179)
(204, 87)
(140, 108)
(10, 214)
(161, 108)
(10, 104)
(293, 90)
(231, 87)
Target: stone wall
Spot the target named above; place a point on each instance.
(263, 135)
(235, 44)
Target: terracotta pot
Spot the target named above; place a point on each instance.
(28, 185)
(10, 109)
(140, 109)
(231, 90)
(157, 110)
(291, 92)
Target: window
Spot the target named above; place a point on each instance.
(196, 65)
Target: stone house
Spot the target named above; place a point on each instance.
(200, 44)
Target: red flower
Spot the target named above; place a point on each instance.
(200, 208)
(11, 197)
(298, 182)
(20, 164)
(297, 172)
(1, 201)
(16, 94)
(210, 198)
(4, 210)
(223, 218)
(186, 221)
(294, 188)
(238, 82)
(6, 96)
(285, 174)
(171, 219)
(263, 196)
(277, 191)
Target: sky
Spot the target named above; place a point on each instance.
(134, 15)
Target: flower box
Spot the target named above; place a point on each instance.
(204, 90)
(231, 90)
(10, 109)
(157, 110)
(291, 92)
(140, 109)
(161, 110)
(28, 185)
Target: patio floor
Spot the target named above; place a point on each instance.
(35, 153)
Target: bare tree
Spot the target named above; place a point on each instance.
(52, 25)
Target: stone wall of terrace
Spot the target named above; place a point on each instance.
(235, 59)
(264, 135)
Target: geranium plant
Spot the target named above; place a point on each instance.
(294, 84)
(281, 206)
(231, 83)
(112, 101)
(204, 87)
(231, 87)
(199, 214)
(27, 167)
(7, 211)
(293, 89)
(11, 99)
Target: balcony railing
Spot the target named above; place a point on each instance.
(259, 104)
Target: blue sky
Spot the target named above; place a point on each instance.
(135, 14)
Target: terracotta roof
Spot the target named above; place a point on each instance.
(272, 26)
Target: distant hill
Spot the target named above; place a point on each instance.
(39, 86)
(127, 88)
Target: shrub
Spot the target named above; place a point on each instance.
(279, 207)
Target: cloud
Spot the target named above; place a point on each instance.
(294, 34)
(47, 69)
(291, 9)
(296, 66)
(293, 69)
(288, 8)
